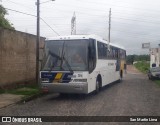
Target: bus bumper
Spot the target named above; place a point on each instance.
(65, 87)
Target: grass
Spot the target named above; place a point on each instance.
(157, 82)
(2, 91)
(26, 90)
(142, 66)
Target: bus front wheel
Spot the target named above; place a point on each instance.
(121, 74)
(97, 87)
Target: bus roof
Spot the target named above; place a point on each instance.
(70, 37)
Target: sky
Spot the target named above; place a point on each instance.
(133, 22)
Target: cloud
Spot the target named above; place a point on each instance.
(133, 22)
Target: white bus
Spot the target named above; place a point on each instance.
(80, 64)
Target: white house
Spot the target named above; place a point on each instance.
(155, 57)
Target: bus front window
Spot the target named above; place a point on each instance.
(66, 55)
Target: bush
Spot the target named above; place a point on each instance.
(142, 66)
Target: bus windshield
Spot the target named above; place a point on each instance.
(66, 55)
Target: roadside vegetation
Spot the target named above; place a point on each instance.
(136, 58)
(142, 66)
(25, 90)
(4, 22)
(157, 82)
(141, 62)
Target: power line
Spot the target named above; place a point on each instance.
(148, 39)
(100, 4)
(20, 4)
(115, 30)
(80, 12)
(135, 36)
(67, 6)
(21, 12)
(136, 20)
(139, 19)
(120, 6)
(80, 7)
(33, 16)
(59, 25)
(112, 12)
(145, 25)
(152, 17)
(46, 1)
(49, 26)
(55, 31)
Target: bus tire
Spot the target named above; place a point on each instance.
(121, 74)
(97, 87)
(119, 81)
(98, 84)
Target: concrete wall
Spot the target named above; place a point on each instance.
(17, 56)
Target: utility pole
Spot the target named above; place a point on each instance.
(37, 42)
(38, 38)
(109, 29)
(73, 24)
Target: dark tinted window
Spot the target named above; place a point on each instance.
(122, 54)
(66, 55)
(113, 53)
(100, 50)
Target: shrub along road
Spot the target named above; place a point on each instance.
(135, 96)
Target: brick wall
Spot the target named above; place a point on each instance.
(17, 56)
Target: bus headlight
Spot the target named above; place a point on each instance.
(80, 80)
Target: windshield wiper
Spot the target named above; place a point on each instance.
(57, 58)
(62, 55)
(69, 67)
(63, 58)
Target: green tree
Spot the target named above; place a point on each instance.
(132, 58)
(3, 21)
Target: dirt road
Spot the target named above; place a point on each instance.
(135, 96)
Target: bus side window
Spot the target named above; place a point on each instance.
(91, 55)
(116, 53)
(108, 54)
(105, 51)
(111, 53)
(100, 50)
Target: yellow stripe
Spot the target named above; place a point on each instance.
(58, 76)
